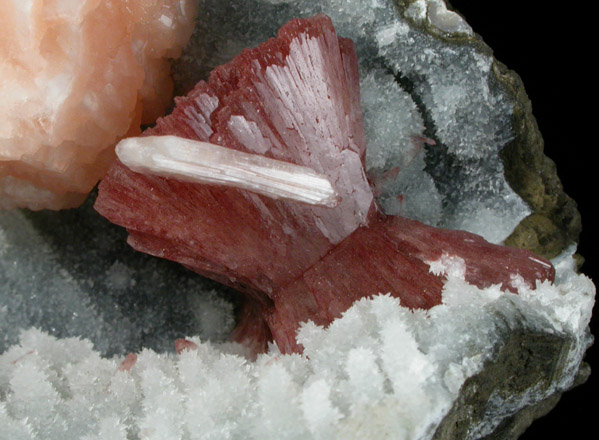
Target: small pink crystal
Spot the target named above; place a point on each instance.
(76, 77)
(294, 98)
(128, 363)
(182, 345)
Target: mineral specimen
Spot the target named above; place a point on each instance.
(76, 77)
(294, 98)
(481, 365)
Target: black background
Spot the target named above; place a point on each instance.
(549, 45)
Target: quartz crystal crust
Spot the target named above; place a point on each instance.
(379, 371)
(295, 98)
(77, 77)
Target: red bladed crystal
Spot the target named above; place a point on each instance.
(294, 98)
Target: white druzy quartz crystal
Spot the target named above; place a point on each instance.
(379, 371)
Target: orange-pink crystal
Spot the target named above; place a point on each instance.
(78, 75)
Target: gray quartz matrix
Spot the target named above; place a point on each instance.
(438, 117)
(416, 87)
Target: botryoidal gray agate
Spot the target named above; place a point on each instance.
(456, 123)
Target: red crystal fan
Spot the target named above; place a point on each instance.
(294, 98)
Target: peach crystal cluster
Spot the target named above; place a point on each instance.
(78, 75)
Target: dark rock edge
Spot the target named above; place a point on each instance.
(526, 359)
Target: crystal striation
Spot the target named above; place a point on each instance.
(201, 162)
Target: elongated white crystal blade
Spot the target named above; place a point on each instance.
(201, 162)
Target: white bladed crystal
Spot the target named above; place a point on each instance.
(202, 162)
